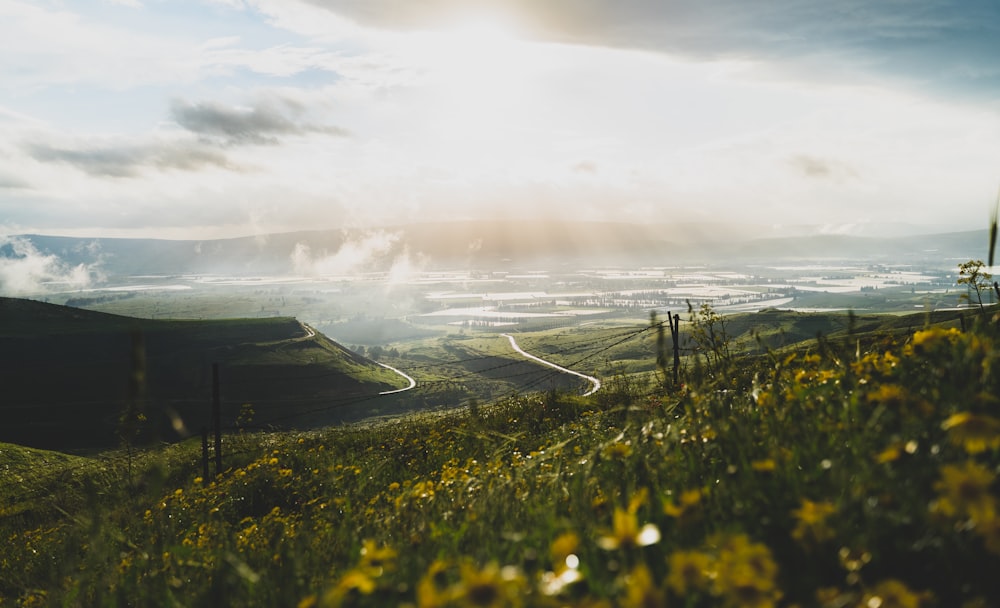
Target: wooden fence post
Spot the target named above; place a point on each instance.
(217, 418)
(204, 453)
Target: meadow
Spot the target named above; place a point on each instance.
(858, 471)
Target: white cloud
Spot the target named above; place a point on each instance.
(26, 271)
(354, 255)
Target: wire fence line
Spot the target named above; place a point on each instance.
(44, 477)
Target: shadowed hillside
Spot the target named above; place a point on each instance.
(68, 374)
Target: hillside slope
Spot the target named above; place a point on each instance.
(68, 374)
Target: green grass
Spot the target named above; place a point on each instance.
(859, 472)
(73, 367)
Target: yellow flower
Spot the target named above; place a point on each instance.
(375, 559)
(763, 466)
(689, 571)
(890, 454)
(928, 339)
(811, 526)
(965, 490)
(976, 433)
(640, 591)
(626, 532)
(562, 548)
(746, 572)
(433, 589)
(891, 593)
(355, 581)
(688, 504)
(491, 586)
(618, 451)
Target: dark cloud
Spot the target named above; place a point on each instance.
(130, 159)
(9, 182)
(260, 124)
(820, 168)
(933, 43)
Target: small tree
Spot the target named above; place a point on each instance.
(972, 273)
(708, 329)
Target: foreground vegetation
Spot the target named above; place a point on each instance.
(859, 473)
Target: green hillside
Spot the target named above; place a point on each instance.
(863, 471)
(68, 374)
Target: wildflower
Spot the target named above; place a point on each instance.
(965, 490)
(891, 593)
(811, 526)
(618, 451)
(688, 504)
(889, 395)
(626, 532)
(746, 572)
(433, 589)
(375, 559)
(353, 582)
(564, 546)
(640, 591)
(763, 466)
(890, 454)
(491, 586)
(689, 571)
(976, 433)
(929, 339)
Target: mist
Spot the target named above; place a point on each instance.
(26, 271)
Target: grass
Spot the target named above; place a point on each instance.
(855, 473)
(70, 381)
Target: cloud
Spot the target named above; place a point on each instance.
(26, 271)
(929, 42)
(10, 182)
(820, 168)
(355, 255)
(262, 123)
(129, 159)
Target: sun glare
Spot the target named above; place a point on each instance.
(477, 71)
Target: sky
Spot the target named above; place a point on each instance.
(221, 118)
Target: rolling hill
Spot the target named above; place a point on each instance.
(486, 244)
(67, 375)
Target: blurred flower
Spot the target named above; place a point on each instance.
(891, 593)
(746, 572)
(491, 586)
(976, 433)
(626, 533)
(763, 466)
(687, 504)
(689, 571)
(640, 591)
(965, 490)
(811, 527)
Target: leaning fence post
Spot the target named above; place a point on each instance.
(675, 331)
(217, 418)
(204, 453)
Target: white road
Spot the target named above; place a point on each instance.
(594, 382)
(413, 382)
(312, 332)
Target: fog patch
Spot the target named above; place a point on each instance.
(360, 254)
(24, 270)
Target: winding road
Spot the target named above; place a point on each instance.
(413, 382)
(595, 383)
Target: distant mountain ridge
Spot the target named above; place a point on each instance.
(484, 245)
